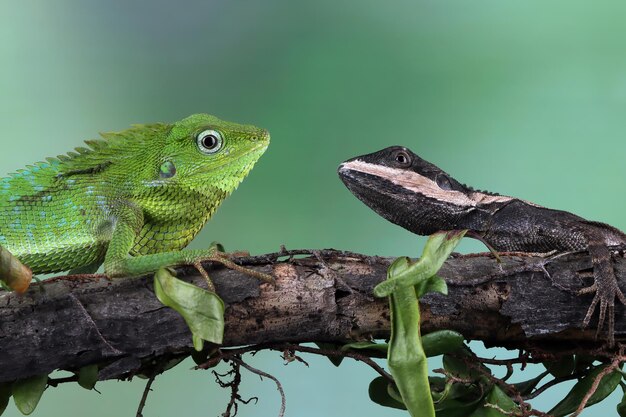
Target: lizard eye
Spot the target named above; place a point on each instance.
(402, 159)
(209, 141)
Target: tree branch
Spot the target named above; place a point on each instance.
(67, 323)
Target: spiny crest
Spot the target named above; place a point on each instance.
(97, 152)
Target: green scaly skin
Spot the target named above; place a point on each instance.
(132, 200)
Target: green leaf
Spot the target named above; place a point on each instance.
(406, 358)
(432, 284)
(27, 393)
(202, 356)
(380, 347)
(526, 387)
(498, 398)
(438, 247)
(5, 395)
(335, 360)
(379, 394)
(88, 376)
(570, 403)
(456, 408)
(393, 393)
(441, 341)
(621, 407)
(439, 387)
(198, 342)
(371, 349)
(457, 365)
(583, 362)
(202, 310)
(160, 366)
(561, 367)
(460, 400)
(435, 343)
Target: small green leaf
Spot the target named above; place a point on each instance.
(172, 363)
(583, 362)
(438, 248)
(457, 365)
(442, 341)
(5, 395)
(439, 387)
(27, 393)
(202, 310)
(379, 394)
(456, 408)
(381, 347)
(217, 246)
(202, 356)
(88, 376)
(371, 349)
(198, 342)
(498, 398)
(432, 284)
(621, 407)
(460, 400)
(393, 393)
(561, 367)
(570, 403)
(335, 360)
(526, 387)
(435, 343)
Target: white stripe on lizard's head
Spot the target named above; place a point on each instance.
(421, 184)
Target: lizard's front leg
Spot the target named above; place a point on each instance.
(117, 262)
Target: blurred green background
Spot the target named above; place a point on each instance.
(524, 98)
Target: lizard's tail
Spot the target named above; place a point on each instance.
(13, 273)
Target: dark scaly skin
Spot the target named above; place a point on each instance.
(420, 197)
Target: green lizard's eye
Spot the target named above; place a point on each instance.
(209, 141)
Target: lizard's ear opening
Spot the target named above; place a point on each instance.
(443, 182)
(167, 170)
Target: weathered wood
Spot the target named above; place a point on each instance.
(69, 323)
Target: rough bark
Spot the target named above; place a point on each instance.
(68, 323)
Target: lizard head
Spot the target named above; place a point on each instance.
(407, 190)
(203, 153)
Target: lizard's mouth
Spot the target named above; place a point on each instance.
(367, 187)
(419, 212)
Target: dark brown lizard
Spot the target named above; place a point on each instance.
(422, 198)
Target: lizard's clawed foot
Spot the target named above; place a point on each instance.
(226, 260)
(604, 295)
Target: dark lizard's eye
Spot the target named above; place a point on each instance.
(209, 141)
(402, 159)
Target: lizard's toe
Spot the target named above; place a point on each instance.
(591, 309)
(604, 301)
(621, 297)
(588, 290)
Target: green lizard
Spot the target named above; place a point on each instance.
(131, 201)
